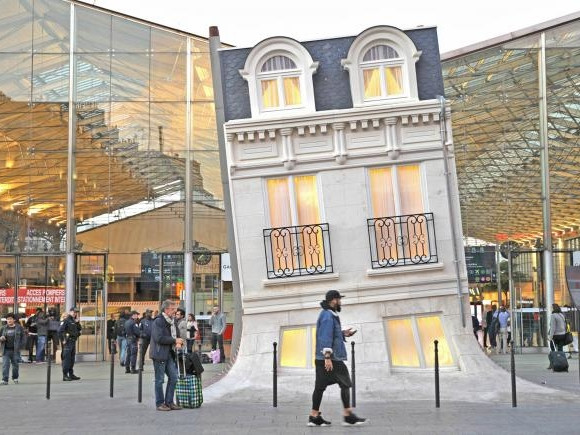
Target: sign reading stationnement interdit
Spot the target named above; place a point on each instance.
(38, 295)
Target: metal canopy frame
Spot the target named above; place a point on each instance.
(493, 91)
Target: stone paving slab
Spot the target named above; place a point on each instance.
(85, 407)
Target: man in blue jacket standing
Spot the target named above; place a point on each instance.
(164, 343)
(329, 361)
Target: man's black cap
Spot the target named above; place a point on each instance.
(134, 312)
(332, 294)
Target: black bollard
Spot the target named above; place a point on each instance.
(353, 374)
(275, 377)
(140, 375)
(48, 355)
(513, 371)
(437, 402)
(113, 352)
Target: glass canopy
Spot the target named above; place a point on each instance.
(493, 90)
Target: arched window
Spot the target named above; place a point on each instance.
(381, 66)
(382, 69)
(279, 83)
(279, 75)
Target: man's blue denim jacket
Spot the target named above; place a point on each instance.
(329, 336)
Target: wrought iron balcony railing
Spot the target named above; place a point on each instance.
(296, 251)
(402, 240)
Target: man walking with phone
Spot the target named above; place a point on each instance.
(330, 357)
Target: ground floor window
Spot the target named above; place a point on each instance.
(410, 341)
(297, 346)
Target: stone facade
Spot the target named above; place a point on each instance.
(338, 145)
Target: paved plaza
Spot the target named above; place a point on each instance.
(85, 406)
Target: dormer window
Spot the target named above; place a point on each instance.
(279, 75)
(279, 80)
(381, 65)
(382, 68)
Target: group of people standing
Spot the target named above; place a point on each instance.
(39, 329)
(497, 326)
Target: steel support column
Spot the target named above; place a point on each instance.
(545, 174)
(188, 236)
(70, 176)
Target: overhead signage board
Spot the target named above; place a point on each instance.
(481, 264)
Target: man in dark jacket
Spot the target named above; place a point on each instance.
(32, 331)
(42, 330)
(121, 336)
(145, 326)
(12, 339)
(70, 331)
(164, 343)
(111, 332)
(132, 333)
(329, 361)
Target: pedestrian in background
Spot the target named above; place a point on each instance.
(329, 361)
(12, 339)
(70, 331)
(32, 332)
(111, 333)
(42, 330)
(132, 334)
(122, 336)
(145, 327)
(504, 320)
(192, 331)
(218, 327)
(557, 327)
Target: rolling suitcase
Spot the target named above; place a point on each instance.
(188, 389)
(558, 360)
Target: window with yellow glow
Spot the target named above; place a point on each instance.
(270, 93)
(297, 347)
(396, 191)
(292, 91)
(430, 329)
(410, 342)
(382, 69)
(372, 82)
(293, 201)
(279, 80)
(401, 343)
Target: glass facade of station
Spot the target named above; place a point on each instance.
(507, 100)
(119, 112)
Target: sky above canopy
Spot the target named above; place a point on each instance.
(459, 23)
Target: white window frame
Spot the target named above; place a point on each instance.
(381, 65)
(293, 205)
(279, 76)
(395, 184)
(306, 67)
(409, 55)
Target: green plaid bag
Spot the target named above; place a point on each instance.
(188, 391)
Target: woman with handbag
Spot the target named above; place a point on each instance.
(557, 327)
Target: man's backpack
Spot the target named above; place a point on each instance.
(120, 327)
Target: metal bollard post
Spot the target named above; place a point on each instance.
(48, 355)
(275, 377)
(113, 352)
(353, 374)
(437, 402)
(513, 371)
(140, 375)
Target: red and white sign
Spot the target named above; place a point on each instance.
(34, 295)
